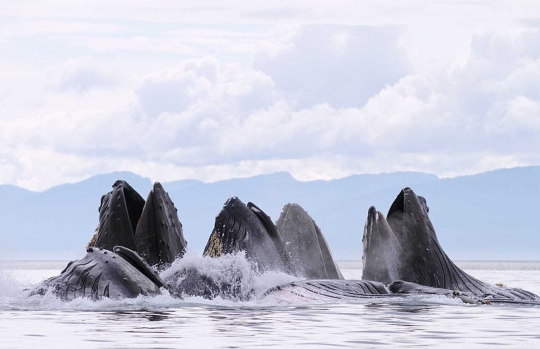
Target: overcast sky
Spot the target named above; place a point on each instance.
(321, 89)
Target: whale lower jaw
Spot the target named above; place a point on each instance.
(103, 274)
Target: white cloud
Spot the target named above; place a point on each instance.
(174, 90)
(318, 101)
(340, 65)
(42, 28)
(137, 43)
(8, 168)
(80, 75)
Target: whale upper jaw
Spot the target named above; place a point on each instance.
(159, 235)
(119, 213)
(305, 244)
(381, 249)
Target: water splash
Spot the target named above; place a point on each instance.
(234, 270)
(230, 276)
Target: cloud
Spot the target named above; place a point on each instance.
(470, 112)
(495, 94)
(342, 66)
(81, 75)
(8, 168)
(19, 29)
(189, 110)
(205, 82)
(213, 119)
(279, 13)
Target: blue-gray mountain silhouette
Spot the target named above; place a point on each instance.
(485, 216)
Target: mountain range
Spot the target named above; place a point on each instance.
(492, 215)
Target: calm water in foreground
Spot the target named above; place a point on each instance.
(164, 322)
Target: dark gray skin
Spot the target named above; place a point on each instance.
(381, 249)
(273, 233)
(305, 245)
(420, 259)
(238, 228)
(119, 213)
(104, 274)
(193, 282)
(151, 228)
(159, 236)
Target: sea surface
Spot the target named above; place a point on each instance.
(165, 322)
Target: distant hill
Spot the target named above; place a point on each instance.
(486, 216)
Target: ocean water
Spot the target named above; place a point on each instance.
(165, 322)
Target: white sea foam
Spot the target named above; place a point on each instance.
(227, 269)
(231, 269)
(166, 322)
(9, 285)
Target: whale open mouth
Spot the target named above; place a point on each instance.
(150, 227)
(240, 227)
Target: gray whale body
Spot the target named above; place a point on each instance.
(104, 274)
(150, 227)
(404, 246)
(286, 247)
(239, 227)
(119, 213)
(353, 290)
(159, 235)
(381, 249)
(294, 245)
(402, 255)
(305, 244)
(129, 228)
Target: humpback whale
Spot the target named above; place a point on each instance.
(404, 246)
(150, 227)
(132, 236)
(305, 244)
(285, 247)
(104, 274)
(294, 245)
(239, 227)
